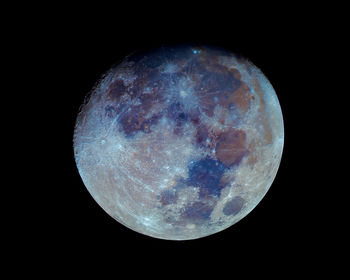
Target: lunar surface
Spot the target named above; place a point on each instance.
(180, 142)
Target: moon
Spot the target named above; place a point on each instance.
(180, 142)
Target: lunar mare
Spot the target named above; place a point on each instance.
(181, 142)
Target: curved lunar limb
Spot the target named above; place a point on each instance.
(181, 142)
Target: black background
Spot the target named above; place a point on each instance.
(77, 47)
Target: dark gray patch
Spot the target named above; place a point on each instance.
(176, 112)
(206, 174)
(117, 89)
(133, 121)
(152, 76)
(202, 135)
(180, 184)
(197, 212)
(220, 81)
(147, 124)
(173, 78)
(130, 123)
(168, 197)
(110, 111)
(193, 67)
(234, 206)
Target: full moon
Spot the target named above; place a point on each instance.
(180, 142)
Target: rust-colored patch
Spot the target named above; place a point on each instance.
(197, 212)
(116, 90)
(168, 197)
(141, 115)
(202, 135)
(252, 159)
(231, 147)
(235, 73)
(207, 137)
(241, 98)
(226, 179)
(207, 105)
(264, 120)
(135, 119)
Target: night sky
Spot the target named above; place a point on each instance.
(77, 47)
